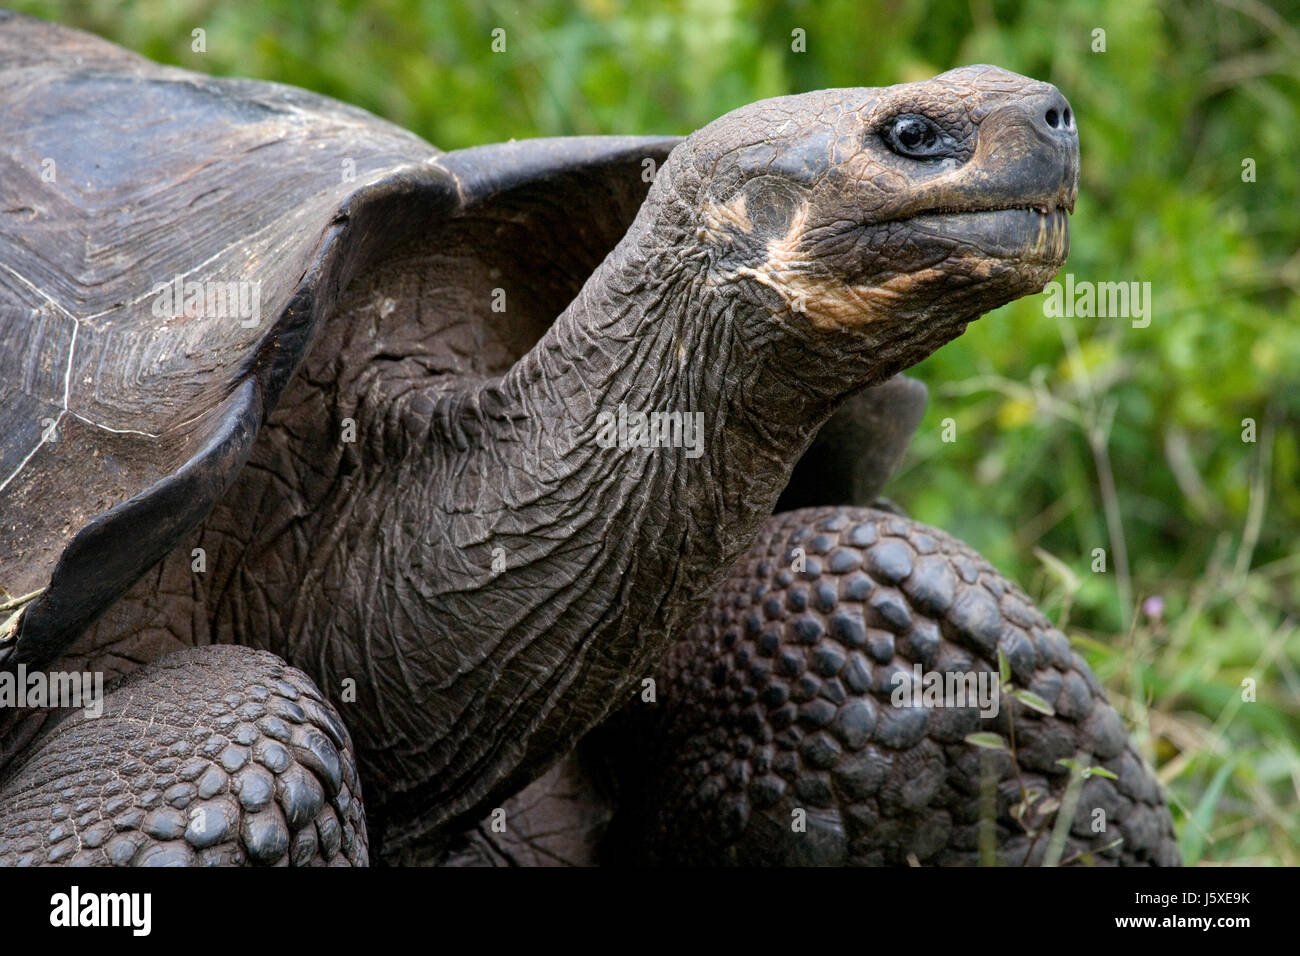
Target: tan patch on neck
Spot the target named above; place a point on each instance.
(720, 220)
(828, 301)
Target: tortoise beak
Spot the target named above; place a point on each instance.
(1026, 157)
(1038, 142)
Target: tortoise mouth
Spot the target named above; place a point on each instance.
(1038, 233)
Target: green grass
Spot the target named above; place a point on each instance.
(1072, 435)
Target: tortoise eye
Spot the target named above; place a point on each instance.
(916, 137)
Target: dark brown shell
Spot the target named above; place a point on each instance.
(120, 427)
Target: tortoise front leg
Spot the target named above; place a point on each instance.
(217, 755)
(783, 733)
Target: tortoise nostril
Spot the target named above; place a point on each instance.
(1054, 116)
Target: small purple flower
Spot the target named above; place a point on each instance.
(1154, 607)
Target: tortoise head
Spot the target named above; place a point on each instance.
(898, 214)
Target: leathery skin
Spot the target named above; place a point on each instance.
(218, 755)
(777, 709)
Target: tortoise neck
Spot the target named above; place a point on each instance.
(657, 359)
(647, 383)
(573, 516)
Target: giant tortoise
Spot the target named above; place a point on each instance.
(354, 467)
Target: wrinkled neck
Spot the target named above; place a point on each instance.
(560, 559)
(657, 350)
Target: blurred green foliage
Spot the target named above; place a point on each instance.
(1072, 435)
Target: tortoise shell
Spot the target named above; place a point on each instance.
(173, 245)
